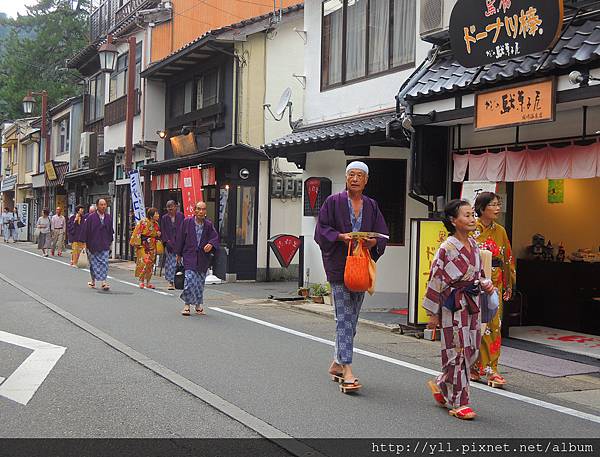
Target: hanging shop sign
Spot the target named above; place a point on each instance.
(426, 236)
(529, 103)
(50, 171)
(190, 181)
(285, 248)
(316, 190)
(8, 183)
(183, 145)
(488, 31)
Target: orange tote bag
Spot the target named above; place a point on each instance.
(356, 273)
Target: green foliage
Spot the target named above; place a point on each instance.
(34, 49)
(319, 290)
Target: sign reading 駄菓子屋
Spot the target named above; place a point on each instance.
(525, 103)
(488, 31)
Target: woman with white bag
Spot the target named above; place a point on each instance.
(43, 228)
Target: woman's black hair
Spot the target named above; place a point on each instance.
(46, 211)
(484, 199)
(150, 212)
(78, 207)
(451, 210)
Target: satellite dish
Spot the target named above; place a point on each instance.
(283, 101)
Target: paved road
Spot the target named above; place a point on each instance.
(243, 351)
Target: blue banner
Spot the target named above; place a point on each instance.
(137, 197)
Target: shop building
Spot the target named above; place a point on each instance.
(354, 58)
(215, 89)
(544, 162)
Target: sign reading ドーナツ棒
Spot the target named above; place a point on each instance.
(488, 31)
(515, 105)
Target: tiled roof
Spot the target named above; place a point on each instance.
(580, 44)
(331, 132)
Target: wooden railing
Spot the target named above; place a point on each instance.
(116, 111)
(110, 15)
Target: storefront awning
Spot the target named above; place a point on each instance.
(333, 135)
(104, 169)
(530, 164)
(230, 152)
(580, 44)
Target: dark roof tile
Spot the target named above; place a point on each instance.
(579, 44)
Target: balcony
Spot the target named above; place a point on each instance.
(116, 111)
(113, 13)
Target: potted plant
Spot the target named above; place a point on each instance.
(303, 291)
(318, 291)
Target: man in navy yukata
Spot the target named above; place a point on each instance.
(169, 225)
(98, 237)
(342, 213)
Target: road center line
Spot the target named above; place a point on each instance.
(412, 366)
(254, 423)
(160, 292)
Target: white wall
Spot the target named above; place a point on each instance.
(114, 135)
(363, 97)
(154, 114)
(284, 56)
(392, 268)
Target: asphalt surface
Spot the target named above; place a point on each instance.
(275, 376)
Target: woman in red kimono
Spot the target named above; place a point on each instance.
(452, 302)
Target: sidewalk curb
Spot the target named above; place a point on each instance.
(308, 307)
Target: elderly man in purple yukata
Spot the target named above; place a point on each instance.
(342, 213)
(169, 225)
(195, 241)
(98, 237)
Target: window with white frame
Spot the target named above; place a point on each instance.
(96, 98)
(361, 38)
(118, 78)
(63, 135)
(207, 89)
(29, 157)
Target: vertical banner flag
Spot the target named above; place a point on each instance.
(137, 198)
(190, 181)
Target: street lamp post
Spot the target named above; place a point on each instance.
(28, 106)
(108, 55)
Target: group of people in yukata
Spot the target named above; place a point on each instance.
(189, 242)
(452, 300)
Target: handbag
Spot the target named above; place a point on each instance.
(20, 224)
(356, 272)
(160, 247)
(179, 280)
(489, 304)
(83, 261)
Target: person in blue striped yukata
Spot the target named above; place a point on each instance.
(196, 240)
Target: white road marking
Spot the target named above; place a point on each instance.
(412, 366)
(22, 384)
(1, 379)
(160, 292)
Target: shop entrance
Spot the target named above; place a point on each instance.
(238, 218)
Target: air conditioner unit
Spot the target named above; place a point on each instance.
(435, 19)
(85, 145)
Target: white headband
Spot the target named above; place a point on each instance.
(356, 165)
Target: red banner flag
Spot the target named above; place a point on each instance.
(190, 181)
(313, 186)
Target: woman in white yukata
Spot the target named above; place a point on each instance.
(452, 302)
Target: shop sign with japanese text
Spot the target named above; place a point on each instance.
(527, 103)
(50, 171)
(488, 31)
